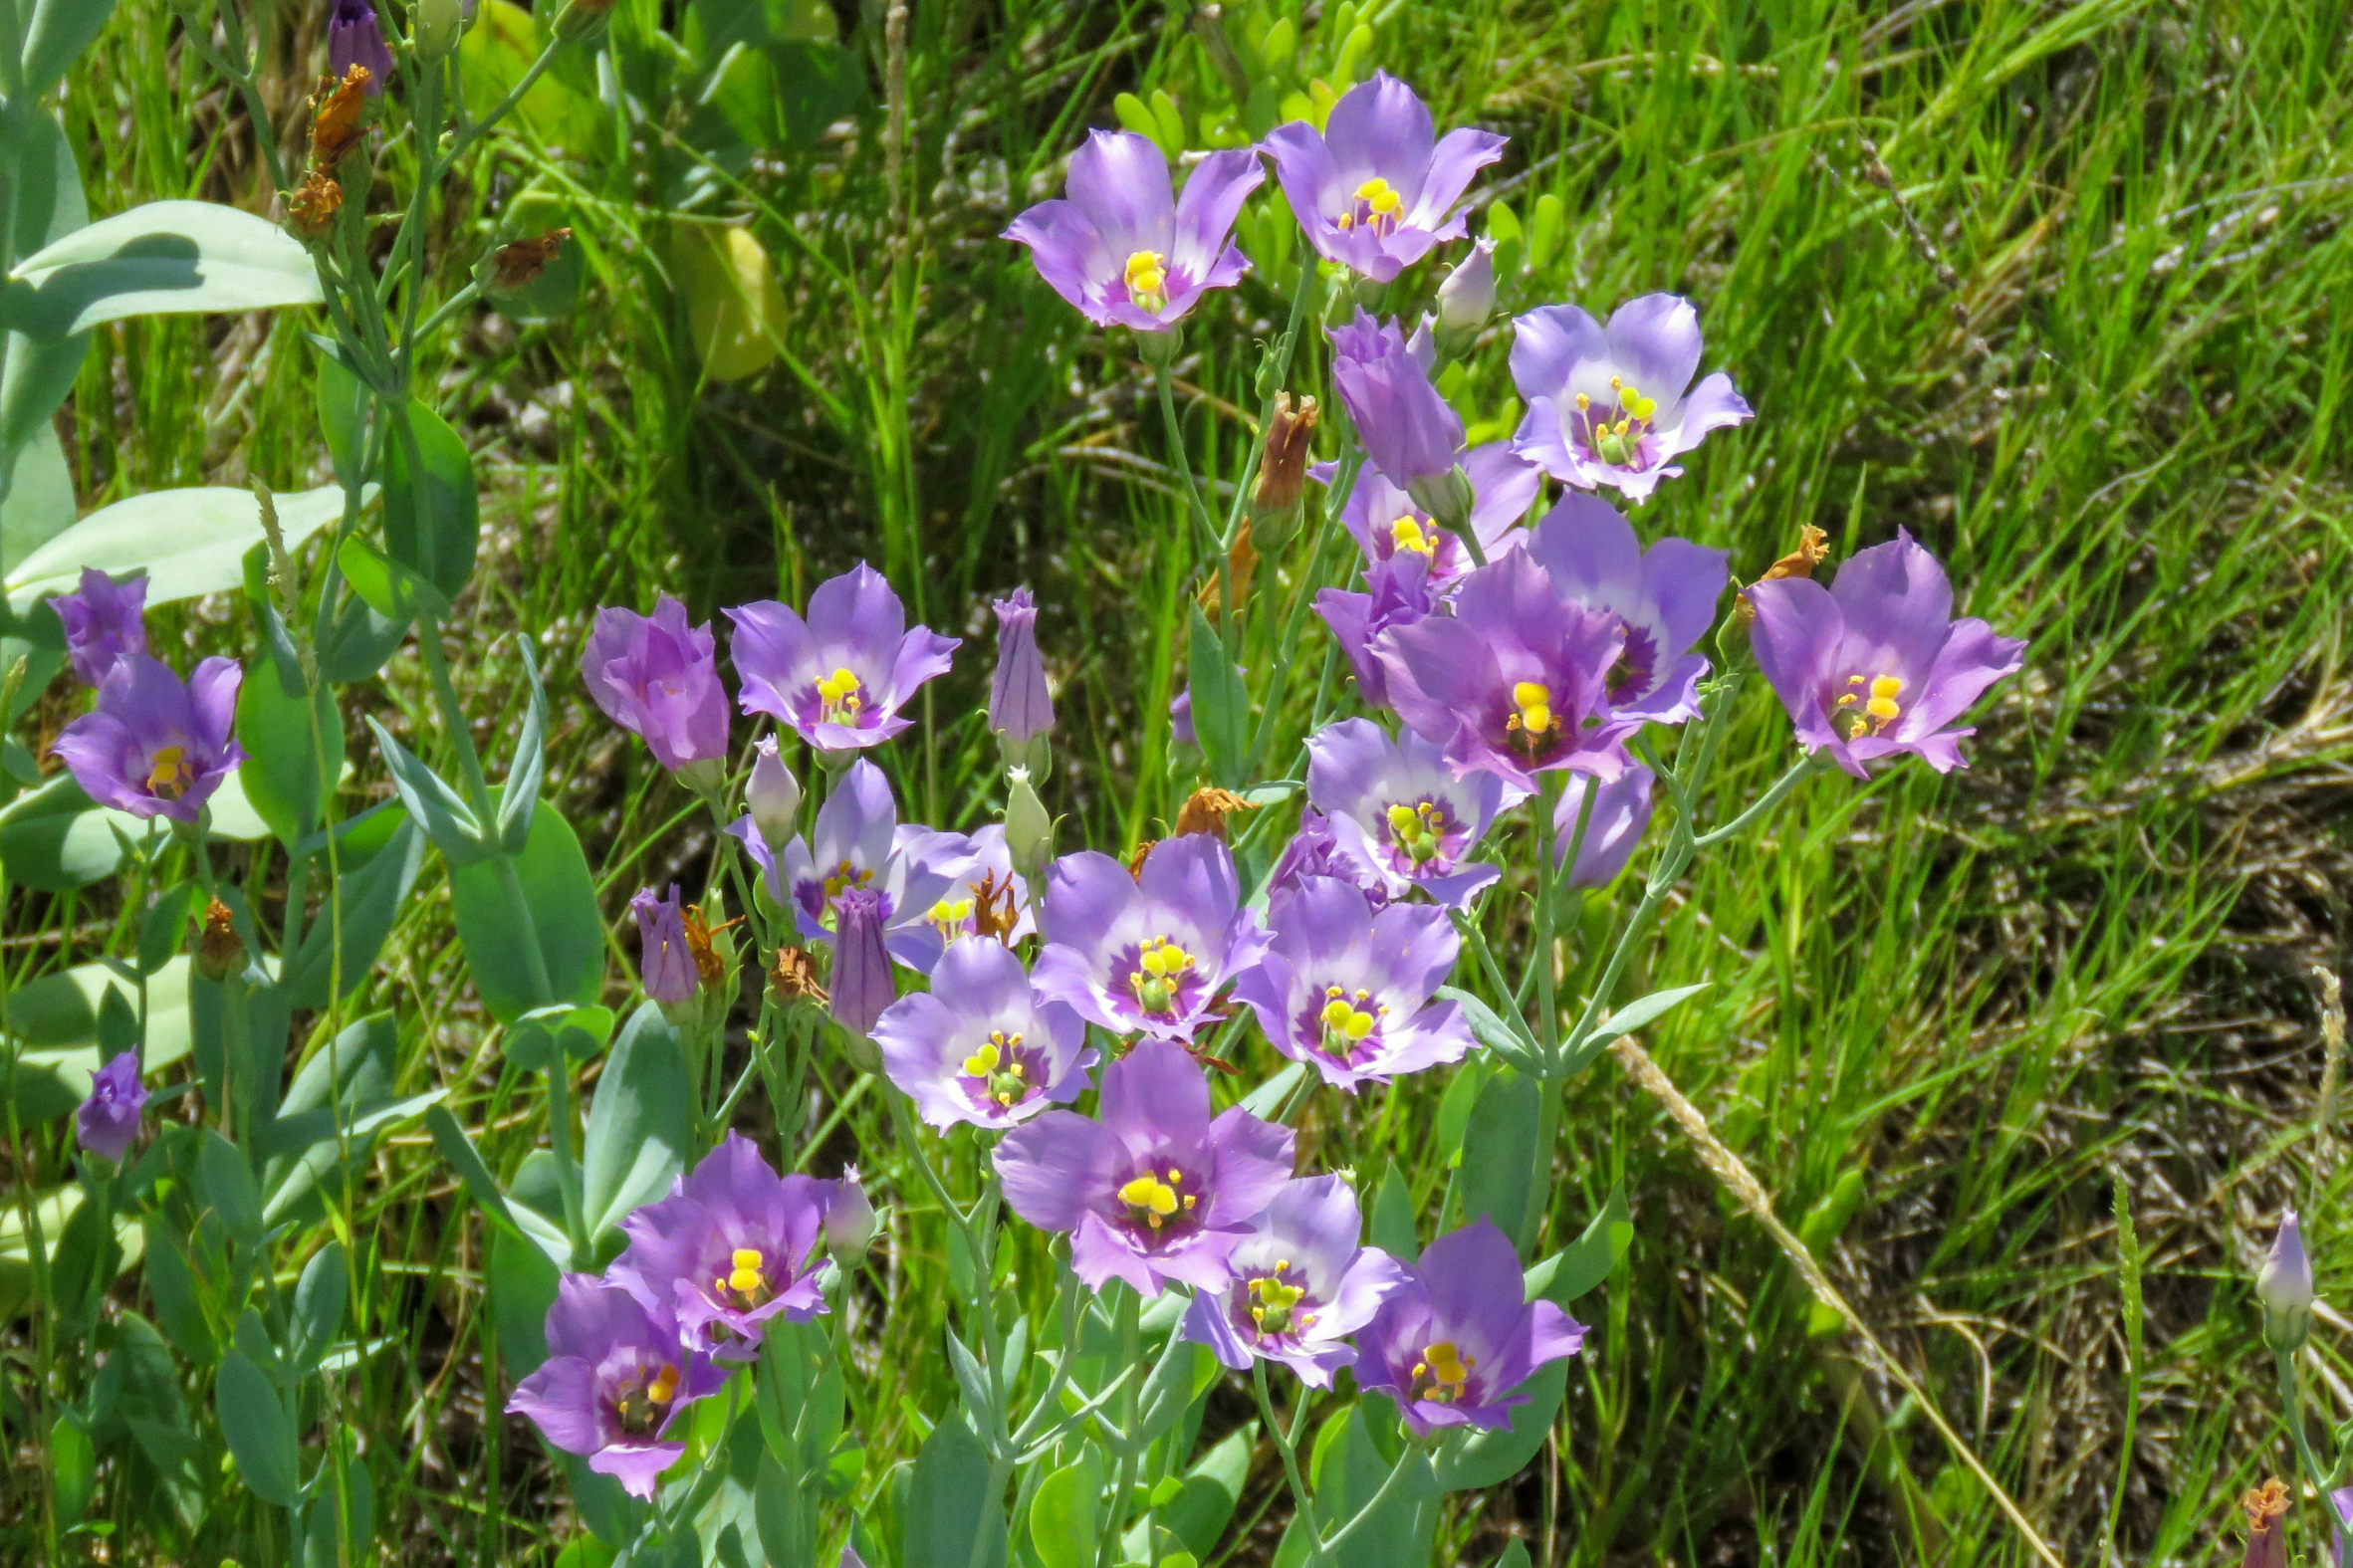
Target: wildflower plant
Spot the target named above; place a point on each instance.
(1100, 1061)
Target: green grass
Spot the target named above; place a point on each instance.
(2094, 360)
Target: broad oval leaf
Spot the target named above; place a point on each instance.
(432, 514)
(259, 1433)
(1489, 1459)
(188, 542)
(163, 258)
(1064, 1515)
(558, 908)
(639, 1124)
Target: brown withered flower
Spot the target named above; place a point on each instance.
(1813, 548)
(794, 978)
(334, 123)
(993, 914)
(2267, 1529)
(1207, 809)
(518, 266)
(709, 968)
(1241, 567)
(218, 947)
(1282, 472)
(1135, 860)
(310, 211)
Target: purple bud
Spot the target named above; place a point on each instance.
(1409, 433)
(1019, 703)
(103, 622)
(657, 676)
(1620, 816)
(773, 796)
(2285, 1287)
(355, 38)
(1467, 298)
(107, 1122)
(1180, 718)
(664, 960)
(862, 983)
(154, 747)
(849, 1218)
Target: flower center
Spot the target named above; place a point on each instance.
(745, 1284)
(1614, 434)
(1868, 707)
(838, 881)
(1377, 207)
(169, 775)
(948, 916)
(1160, 967)
(1534, 709)
(1003, 1077)
(1409, 534)
(1271, 1302)
(640, 1407)
(1147, 279)
(837, 697)
(1441, 1373)
(1152, 1201)
(1418, 830)
(1346, 1019)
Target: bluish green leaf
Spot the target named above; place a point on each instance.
(1507, 1037)
(343, 405)
(639, 1124)
(1588, 1261)
(293, 750)
(1500, 1152)
(1633, 1015)
(319, 1297)
(73, 1468)
(163, 258)
(55, 36)
(188, 542)
(431, 512)
(563, 1031)
(1271, 1096)
(950, 1505)
(376, 879)
(172, 1285)
(1489, 1459)
(1212, 1490)
(229, 1188)
(260, 1434)
(550, 903)
(1349, 1469)
(1393, 1229)
(449, 821)
(530, 765)
(1065, 1517)
(1221, 705)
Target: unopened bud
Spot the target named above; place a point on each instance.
(583, 18)
(1445, 497)
(1467, 298)
(1028, 831)
(436, 26)
(2285, 1287)
(773, 796)
(219, 950)
(850, 1219)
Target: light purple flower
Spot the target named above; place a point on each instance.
(614, 1382)
(1316, 851)
(1019, 703)
(1399, 596)
(1372, 192)
(2284, 1283)
(857, 843)
(1123, 249)
(1665, 597)
(983, 1046)
(1608, 405)
(104, 620)
(863, 987)
(839, 677)
(851, 1223)
(1397, 807)
(982, 891)
(1875, 665)
(728, 1248)
(107, 1123)
(1154, 1191)
(1454, 1343)
(1146, 954)
(772, 796)
(1347, 990)
(1467, 298)
(1300, 1286)
(153, 746)
(665, 964)
(1387, 521)
(1621, 815)
(355, 38)
(1410, 434)
(657, 676)
(1515, 683)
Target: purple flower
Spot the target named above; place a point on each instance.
(1154, 1190)
(839, 677)
(862, 983)
(982, 1046)
(1180, 718)
(1467, 298)
(1371, 191)
(1347, 990)
(154, 747)
(1400, 595)
(1019, 703)
(1300, 1286)
(1456, 1340)
(1409, 433)
(1875, 665)
(107, 1124)
(1316, 851)
(983, 897)
(1398, 808)
(1509, 684)
(1387, 521)
(772, 795)
(103, 622)
(857, 843)
(1665, 597)
(657, 677)
(728, 1249)
(354, 38)
(2284, 1284)
(1621, 815)
(1608, 405)
(1146, 954)
(1122, 248)
(664, 961)
(613, 1383)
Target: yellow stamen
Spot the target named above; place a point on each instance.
(170, 772)
(1150, 1193)
(837, 696)
(1535, 705)
(663, 1387)
(1410, 535)
(744, 1277)
(1147, 278)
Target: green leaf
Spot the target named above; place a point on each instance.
(1454, 1109)
(1221, 705)
(342, 1515)
(1500, 1152)
(283, 768)
(639, 1124)
(449, 821)
(40, 504)
(375, 880)
(459, 1149)
(1212, 1490)
(1489, 1459)
(522, 1287)
(1588, 1261)
(1349, 1468)
(1508, 1038)
(551, 900)
(1393, 1229)
(951, 1510)
(259, 1431)
(1269, 1097)
(164, 926)
(319, 1297)
(530, 763)
(355, 642)
(343, 404)
(229, 1188)
(39, 373)
(781, 1513)
(431, 511)
(1515, 1555)
(387, 587)
(1064, 1522)
(188, 542)
(58, 33)
(56, 838)
(1633, 1015)
(542, 1036)
(173, 1285)
(73, 1470)
(162, 259)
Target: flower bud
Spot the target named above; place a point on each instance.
(2285, 1287)
(664, 960)
(773, 796)
(850, 1219)
(435, 24)
(862, 981)
(1467, 298)
(1028, 831)
(1445, 497)
(583, 18)
(1021, 709)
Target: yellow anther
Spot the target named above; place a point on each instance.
(1882, 709)
(1644, 407)
(1409, 535)
(1380, 196)
(1336, 1015)
(1535, 705)
(1616, 385)
(170, 772)
(1583, 402)
(1358, 1025)
(1887, 686)
(663, 1387)
(1444, 1363)
(1190, 1201)
(1147, 278)
(837, 693)
(745, 1276)
(1150, 1193)
(984, 1061)
(1402, 817)
(1854, 680)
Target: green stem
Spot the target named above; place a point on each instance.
(1199, 509)
(1286, 1443)
(567, 1174)
(1388, 1487)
